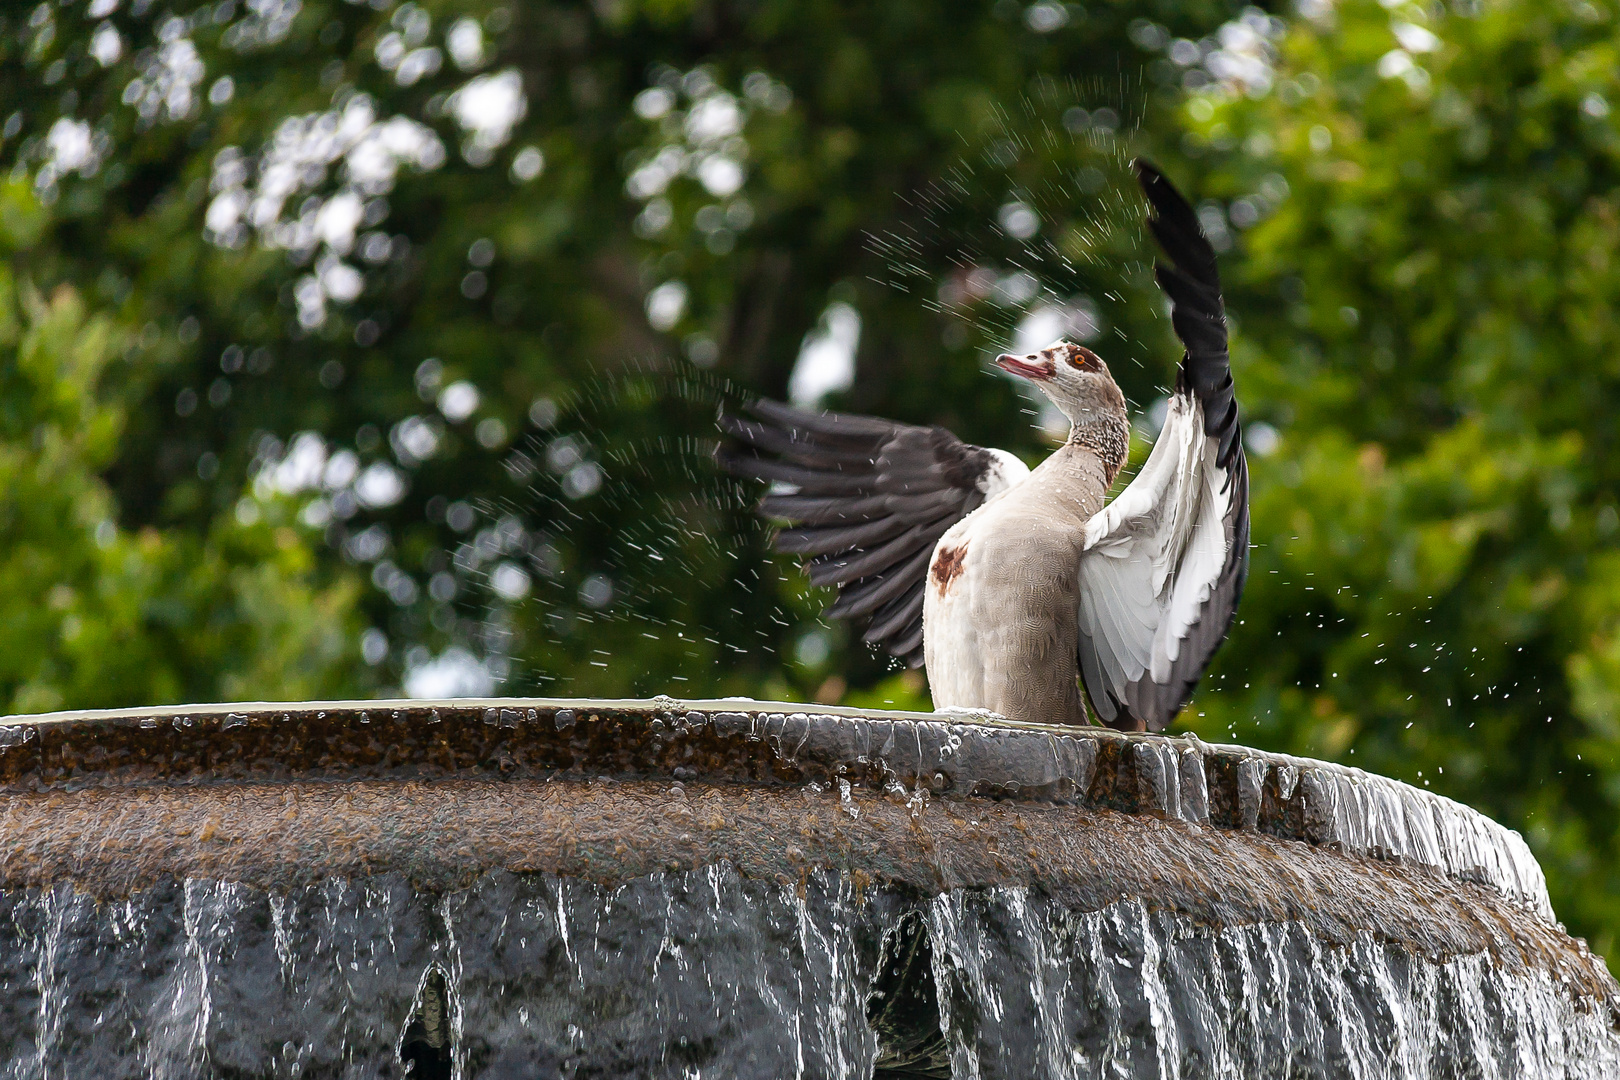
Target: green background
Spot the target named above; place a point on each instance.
(205, 496)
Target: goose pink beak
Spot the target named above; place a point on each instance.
(1036, 370)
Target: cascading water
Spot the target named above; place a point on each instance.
(578, 889)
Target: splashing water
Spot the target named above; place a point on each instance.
(629, 541)
(1037, 234)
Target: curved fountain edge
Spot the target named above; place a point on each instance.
(922, 755)
(314, 862)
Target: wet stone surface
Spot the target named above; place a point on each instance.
(758, 745)
(543, 888)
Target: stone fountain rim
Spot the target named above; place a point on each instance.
(288, 795)
(440, 795)
(67, 718)
(1170, 777)
(976, 718)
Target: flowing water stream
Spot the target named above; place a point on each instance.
(707, 973)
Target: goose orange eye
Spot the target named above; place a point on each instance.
(1083, 359)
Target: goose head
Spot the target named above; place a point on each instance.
(1079, 384)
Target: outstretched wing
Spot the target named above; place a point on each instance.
(1166, 560)
(866, 499)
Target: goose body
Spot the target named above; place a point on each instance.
(1001, 607)
(1025, 592)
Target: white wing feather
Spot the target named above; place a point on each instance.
(1006, 473)
(1152, 558)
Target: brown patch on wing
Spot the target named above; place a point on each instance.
(948, 566)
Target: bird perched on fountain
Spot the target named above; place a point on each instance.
(1017, 588)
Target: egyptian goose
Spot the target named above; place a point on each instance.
(1018, 587)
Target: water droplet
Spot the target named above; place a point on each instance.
(1287, 777)
(845, 801)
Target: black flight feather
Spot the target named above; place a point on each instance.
(867, 498)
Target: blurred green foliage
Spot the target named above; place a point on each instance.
(94, 614)
(444, 295)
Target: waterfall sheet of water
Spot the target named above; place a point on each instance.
(707, 973)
